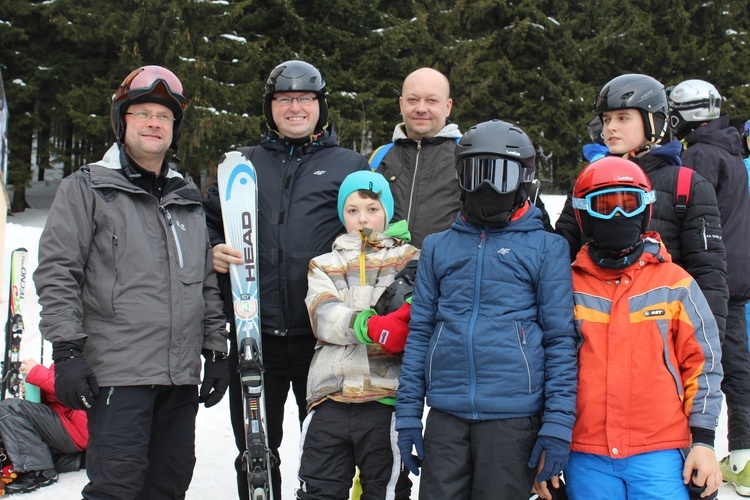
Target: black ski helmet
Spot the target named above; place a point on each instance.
(639, 92)
(149, 84)
(295, 76)
(499, 138)
(400, 291)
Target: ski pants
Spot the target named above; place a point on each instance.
(735, 359)
(655, 475)
(287, 361)
(33, 435)
(336, 437)
(477, 460)
(141, 442)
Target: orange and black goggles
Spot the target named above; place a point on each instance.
(503, 174)
(144, 80)
(606, 203)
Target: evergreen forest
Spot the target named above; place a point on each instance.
(537, 63)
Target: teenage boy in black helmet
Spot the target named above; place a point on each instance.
(634, 109)
(130, 299)
(300, 166)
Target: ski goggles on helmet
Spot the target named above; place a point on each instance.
(503, 174)
(606, 203)
(144, 80)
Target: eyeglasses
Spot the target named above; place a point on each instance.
(503, 174)
(606, 203)
(302, 101)
(142, 116)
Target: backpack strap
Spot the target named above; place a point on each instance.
(682, 192)
(378, 155)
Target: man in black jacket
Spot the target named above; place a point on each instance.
(300, 167)
(714, 150)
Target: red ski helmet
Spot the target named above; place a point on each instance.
(149, 84)
(607, 173)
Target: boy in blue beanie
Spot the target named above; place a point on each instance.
(351, 387)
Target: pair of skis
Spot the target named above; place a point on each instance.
(11, 376)
(238, 191)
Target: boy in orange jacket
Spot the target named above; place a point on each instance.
(649, 368)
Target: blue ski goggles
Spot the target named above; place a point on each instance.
(503, 174)
(606, 203)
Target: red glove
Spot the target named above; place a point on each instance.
(390, 330)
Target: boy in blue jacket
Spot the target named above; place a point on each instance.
(491, 340)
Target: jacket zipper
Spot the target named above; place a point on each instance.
(432, 354)
(703, 233)
(362, 261)
(413, 181)
(521, 333)
(472, 324)
(168, 215)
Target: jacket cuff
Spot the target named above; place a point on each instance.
(360, 326)
(408, 423)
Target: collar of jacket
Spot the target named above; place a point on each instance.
(374, 239)
(531, 220)
(654, 252)
(271, 140)
(110, 175)
(450, 131)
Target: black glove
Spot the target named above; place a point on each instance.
(215, 377)
(556, 453)
(75, 383)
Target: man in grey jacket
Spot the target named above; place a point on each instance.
(130, 299)
(419, 162)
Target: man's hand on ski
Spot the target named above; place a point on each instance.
(553, 460)
(215, 377)
(75, 383)
(390, 330)
(223, 255)
(408, 438)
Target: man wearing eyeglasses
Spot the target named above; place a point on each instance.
(130, 300)
(300, 166)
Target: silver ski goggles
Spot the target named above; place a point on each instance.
(503, 174)
(606, 203)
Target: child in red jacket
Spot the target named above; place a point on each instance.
(41, 439)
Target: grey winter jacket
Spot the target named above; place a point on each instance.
(422, 176)
(132, 275)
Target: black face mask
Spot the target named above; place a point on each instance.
(616, 234)
(487, 207)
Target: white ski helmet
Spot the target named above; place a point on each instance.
(692, 103)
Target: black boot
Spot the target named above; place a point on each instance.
(30, 481)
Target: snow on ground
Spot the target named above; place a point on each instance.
(214, 472)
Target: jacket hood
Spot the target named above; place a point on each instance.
(718, 133)
(669, 151)
(450, 131)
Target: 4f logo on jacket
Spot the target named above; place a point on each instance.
(503, 251)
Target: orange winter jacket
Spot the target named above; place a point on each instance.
(650, 362)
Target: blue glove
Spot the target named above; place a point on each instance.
(555, 456)
(408, 438)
